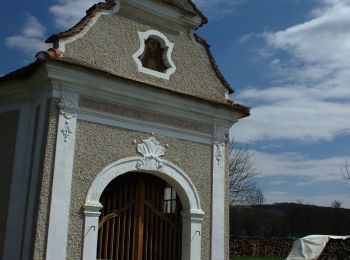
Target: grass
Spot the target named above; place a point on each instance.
(257, 258)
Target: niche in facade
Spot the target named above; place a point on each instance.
(154, 55)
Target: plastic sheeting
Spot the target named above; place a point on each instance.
(310, 247)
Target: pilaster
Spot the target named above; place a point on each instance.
(62, 177)
(218, 193)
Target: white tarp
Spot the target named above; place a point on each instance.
(310, 247)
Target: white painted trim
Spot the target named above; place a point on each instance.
(135, 125)
(165, 12)
(34, 178)
(218, 193)
(192, 212)
(62, 42)
(62, 178)
(165, 44)
(19, 184)
(135, 95)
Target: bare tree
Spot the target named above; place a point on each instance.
(242, 172)
(346, 171)
(336, 204)
(256, 198)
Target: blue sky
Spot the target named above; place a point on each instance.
(287, 59)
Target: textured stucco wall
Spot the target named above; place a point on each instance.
(44, 190)
(8, 132)
(98, 146)
(111, 42)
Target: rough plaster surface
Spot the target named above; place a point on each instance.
(47, 167)
(8, 132)
(112, 41)
(98, 146)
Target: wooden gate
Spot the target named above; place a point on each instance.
(140, 220)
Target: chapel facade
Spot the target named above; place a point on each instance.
(114, 141)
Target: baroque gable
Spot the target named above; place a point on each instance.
(112, 33)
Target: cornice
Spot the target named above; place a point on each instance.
(137, 95)
(31, 88)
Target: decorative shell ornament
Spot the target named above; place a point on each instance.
(151, 151)
(151, 148)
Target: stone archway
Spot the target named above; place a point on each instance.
(192, 215)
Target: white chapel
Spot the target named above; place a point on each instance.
(113, 142)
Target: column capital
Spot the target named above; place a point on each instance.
(92, 209)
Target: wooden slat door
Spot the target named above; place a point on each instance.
(134, 224)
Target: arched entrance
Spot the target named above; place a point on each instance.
(140, 219)
(192, 214)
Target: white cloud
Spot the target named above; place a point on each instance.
(33, 28)
(68, 12)
(296, 165)
(249, 36)
(304, 119)
(217, 8)
(31, 38)
(277, 182)
(310, 96)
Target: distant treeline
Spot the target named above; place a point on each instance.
(288, 220)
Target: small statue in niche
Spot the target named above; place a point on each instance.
(152, 57)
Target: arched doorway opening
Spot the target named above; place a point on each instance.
(192, 214)
(140, 219)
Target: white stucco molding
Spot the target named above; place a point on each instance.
(168, 49)
(218, 193)
(192, 213)
(62, 42)
(62, 178)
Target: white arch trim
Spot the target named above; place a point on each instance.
(192, 214)
(165, 43)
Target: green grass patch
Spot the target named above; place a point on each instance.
(257, 258)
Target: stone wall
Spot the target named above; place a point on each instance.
(336, 249)
(252, 246)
